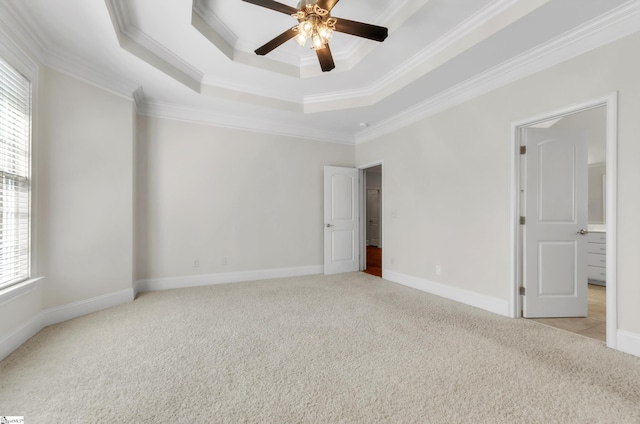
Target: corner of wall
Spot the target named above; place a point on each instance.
(477, 300)
(628, 342)
(59, 314)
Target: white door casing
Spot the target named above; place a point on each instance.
(373, 217)
(555, 251)
(341, 220)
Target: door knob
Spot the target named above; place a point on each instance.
(329, 225)
(583, 231)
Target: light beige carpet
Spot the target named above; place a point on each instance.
(341, 349)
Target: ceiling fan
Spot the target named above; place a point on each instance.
(315, 23)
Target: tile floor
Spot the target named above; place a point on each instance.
(594, 325)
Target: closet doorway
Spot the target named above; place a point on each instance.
(372, 222)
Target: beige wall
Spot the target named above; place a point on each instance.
(84, 166)
(447, 177)
(594, 124)
(208, 193)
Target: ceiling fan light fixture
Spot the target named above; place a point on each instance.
(317, 42)
(301, 39)
(325, 33)
(315, 24)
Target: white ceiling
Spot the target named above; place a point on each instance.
(194, 60)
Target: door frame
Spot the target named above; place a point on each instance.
(363, 212)
(609, 101)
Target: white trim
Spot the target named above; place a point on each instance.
(362, 217)
(470, 31)
(21, 335)
(201, 116)
(477, 300)
(363, 193)
(611, 212)
(20, 57)
(87, 306)
(82, 70)
(223, 278)
(628, 342)
(51, 56)
(605, 29)
(59, 314)
(515, 265)
(146, 48)
(16, 291)
(610, 101)
(16, 56)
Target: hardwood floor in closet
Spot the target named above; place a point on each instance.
(374, 261)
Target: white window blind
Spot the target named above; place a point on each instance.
(15, 135)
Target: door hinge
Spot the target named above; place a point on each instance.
(523, 220)
(523, 150)
(522, 291)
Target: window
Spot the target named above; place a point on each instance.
(15, 137)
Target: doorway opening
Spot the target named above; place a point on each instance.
(594, 245)
(371, 220)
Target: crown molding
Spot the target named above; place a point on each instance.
(479, 26)
(17, 55)
(138, 97)
(21, 30)
(605, 29)
(284, 100)
(600, 31)
(476, 28)
(141, 45)
(24, 29)
(78, 68)
(206, 117)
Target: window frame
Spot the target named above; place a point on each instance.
(15, 185)
(25, 64)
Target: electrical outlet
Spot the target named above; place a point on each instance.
(438, 270)
(196, 263)
(223, 261)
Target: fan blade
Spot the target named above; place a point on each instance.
(274, 5)
(360, 29)
(326, 59)
(327, 4)
(285, 36)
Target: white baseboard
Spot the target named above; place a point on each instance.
(83, 307)
(61, 313)
(21, 335)
(222, 278)
(628, 342)
(488, 303)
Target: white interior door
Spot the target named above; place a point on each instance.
(341, 216)
(555, 247)
(373, 217)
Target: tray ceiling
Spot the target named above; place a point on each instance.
(194, 60)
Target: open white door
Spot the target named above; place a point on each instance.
(555, 244)
(341, 216)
